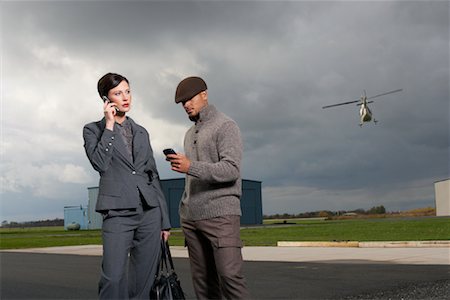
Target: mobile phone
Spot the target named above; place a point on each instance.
(169, 151)
(109, 101)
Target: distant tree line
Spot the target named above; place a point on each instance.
(40, 223)
(376, 210)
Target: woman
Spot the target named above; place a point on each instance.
(134, 209)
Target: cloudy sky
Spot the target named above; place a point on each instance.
(270, 65)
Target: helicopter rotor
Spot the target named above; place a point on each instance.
(359, 104)
(339, 104)
(360, 100)
(387, 93)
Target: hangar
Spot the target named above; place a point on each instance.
(251, 203)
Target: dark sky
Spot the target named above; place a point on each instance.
(270, 65)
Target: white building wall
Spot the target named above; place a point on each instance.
(442, 196)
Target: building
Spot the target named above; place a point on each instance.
(75, 215)
(442, 197)
(251, 204)
(251, 201)
(95, 219)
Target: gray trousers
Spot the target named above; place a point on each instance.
(131, 247)
(215, 257)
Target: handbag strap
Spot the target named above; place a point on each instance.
(162, 263)
(169, 255)
(166, 263)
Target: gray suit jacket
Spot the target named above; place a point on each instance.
(121, 180)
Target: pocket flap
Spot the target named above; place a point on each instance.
(229, 242)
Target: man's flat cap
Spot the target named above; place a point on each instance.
(188, 88)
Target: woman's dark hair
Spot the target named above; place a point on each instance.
(109, 81)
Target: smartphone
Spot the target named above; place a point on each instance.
(169, 151)
(109, 101)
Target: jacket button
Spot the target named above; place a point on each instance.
(106, 149)
(112, 137)
(109, 144)
(134, 172)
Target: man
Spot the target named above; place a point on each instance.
(210, 206)
(135, 215)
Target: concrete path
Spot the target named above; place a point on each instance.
(401, 255)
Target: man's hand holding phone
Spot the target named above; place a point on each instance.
(169, 151)
(179, 162)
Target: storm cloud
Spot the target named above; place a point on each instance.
(270, 65)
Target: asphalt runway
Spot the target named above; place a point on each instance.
(60, 276)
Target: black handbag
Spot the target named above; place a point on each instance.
(167, 285)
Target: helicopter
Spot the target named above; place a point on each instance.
(365, 113)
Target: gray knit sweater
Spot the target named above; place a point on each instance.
(213, 181)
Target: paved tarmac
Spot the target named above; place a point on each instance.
(271, 272)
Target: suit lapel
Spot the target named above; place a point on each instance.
(138, 140)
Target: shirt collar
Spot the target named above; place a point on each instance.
(125, 123)
(207, 113)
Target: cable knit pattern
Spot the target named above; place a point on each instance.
(213, 182)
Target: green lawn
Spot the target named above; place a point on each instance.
(36, 237)
(393, 229)
(16, 238)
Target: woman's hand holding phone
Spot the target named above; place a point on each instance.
(110, 110)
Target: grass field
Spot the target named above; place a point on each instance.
(394, 229)
(386, 229)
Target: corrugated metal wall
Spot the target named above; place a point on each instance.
(95, 219)
(251, 202)
(75, 215)
(173, 190)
